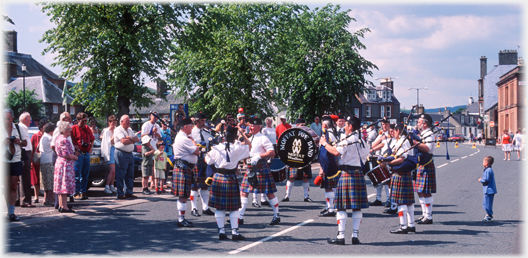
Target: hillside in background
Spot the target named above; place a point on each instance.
(435, 110)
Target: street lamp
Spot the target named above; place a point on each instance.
(417, 95)
(24, 87)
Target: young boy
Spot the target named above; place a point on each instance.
(160, 166)
(489, 188)
(147, 162)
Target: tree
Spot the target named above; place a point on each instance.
(321, 70)
(223, 58)
(114, 48)
(15, 101)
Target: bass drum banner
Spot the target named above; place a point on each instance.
(298, 146)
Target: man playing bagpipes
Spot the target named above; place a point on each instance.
(225, 192)
(380, 146)
(425, 183)
(329, 167)
(351, 191)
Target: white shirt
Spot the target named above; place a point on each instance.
(270, 133)
(341, 132)
(106, 143)
(46, 153)
(405, 145)
(351, 154)
(387, 143)
(145, 130)
(260, 144)
(428, 137)
(217, 155)
(18, 150)
(183, 148)
(195, 134)
(120, 133)
(25, 136)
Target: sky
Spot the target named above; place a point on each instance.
(416, 44)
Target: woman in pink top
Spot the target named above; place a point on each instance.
(64, 177)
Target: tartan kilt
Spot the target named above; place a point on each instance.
(401, 188)
(182, 181)
(225, 193)
(266, 183)
(199, 181)
(330, 183)
(300, 174)
(425, 179)
(351, 192)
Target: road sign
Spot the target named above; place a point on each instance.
(492, 124)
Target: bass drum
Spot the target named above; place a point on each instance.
(278, 170)
(298, 146)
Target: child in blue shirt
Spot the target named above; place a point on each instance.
(489, 188)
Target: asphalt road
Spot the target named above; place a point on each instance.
(147, 226)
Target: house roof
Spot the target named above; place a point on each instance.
(472, 108)
(491, 91)
(33, 67)
(363, 100)
(44, 89)
(160, 105)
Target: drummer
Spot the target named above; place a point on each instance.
(303, 174)
(224, 188)
(328, 184)
(351, 189)
(401, 185)
(261, 149)
(381, 146)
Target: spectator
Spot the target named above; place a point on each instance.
(178, 116)
(160, 157)
(283, 126)
(147, 163)
(107, 151)
(518, 143)
(25, 180)
(152, 130)
(316, 126)
(83, 140)
(479, 138)
(166, 137)
(47, 163)
(64, 177)
(269, 131)
(64, 117)
(93, 127)
(35, 167)
(124, 139)
(12, 157)
(506, 145)
(489, 188)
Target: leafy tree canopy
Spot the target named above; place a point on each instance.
(15, 101)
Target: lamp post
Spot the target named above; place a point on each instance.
(24, 87)
(417, 95)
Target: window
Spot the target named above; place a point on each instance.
(382, 110)
(389, 111)
(55, 109)
(470, 120)
(367, 110)
(72, 110)
(356, 112)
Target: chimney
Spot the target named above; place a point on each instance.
(470, 101)
(11, 71)
(161, 88)
(439, 111)
(483, 66)
(508, 57)
(11, 41)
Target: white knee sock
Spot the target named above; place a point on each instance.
(341, 217)
(428, 207)
(356, 220)
(205, 199)
(254, 199)
(402, 215)
(387, 192)
(182, 207)
(306, 187)
(234, 216)
(289, 186)
(379, 190)
(330, 200)
(410, 215)
(262, 198)
(220, 220)
(244, 201)
(422, 204)
(275, 205)
(192, 198)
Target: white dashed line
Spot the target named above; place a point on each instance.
(270, 237)
(442, 165)
(464, 157)
(455, 160)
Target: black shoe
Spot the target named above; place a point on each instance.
(69, 207)
(256, 205)
(194, 212)
(419, 219)
(130, 196)
(376, 203)
(399, 231)
(390, 211)
(208, 212)
(336, 241)
(238, 237)
(185, 223)
(307, 199)
(274, 221)
(222, 236)
(323, 211)
(387, 204)
(84, 196)
(13, 217)
(411, 229)
(286, 199)
(61, 210)
(425, 221)
(328, 214)
(355, 241)
(146, 191)
(121, 197)
(265, 203)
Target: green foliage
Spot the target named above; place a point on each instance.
(34, 106)
(114, 47)
(459, 110)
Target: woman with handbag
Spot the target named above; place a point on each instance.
(35, 160)
(47, 164)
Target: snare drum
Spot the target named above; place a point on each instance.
(371, 163)
(278, 170)
(379, 175)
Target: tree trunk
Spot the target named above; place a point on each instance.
(123, 105)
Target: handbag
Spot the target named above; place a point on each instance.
(37, 155)
(252, 179)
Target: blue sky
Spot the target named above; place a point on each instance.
(437, 46)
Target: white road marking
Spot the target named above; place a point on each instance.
(371, 195)
(464, 157)
(455, 160)
(270, 237)
(442, 165)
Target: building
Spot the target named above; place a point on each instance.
(511, 101)
(377, 102)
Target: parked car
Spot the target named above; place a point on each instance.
(457, 137)
(440, 136)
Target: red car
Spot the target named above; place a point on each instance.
(457, 137)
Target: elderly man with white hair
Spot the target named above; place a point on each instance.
(25, 179)
(124, 139)
(12, 150)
